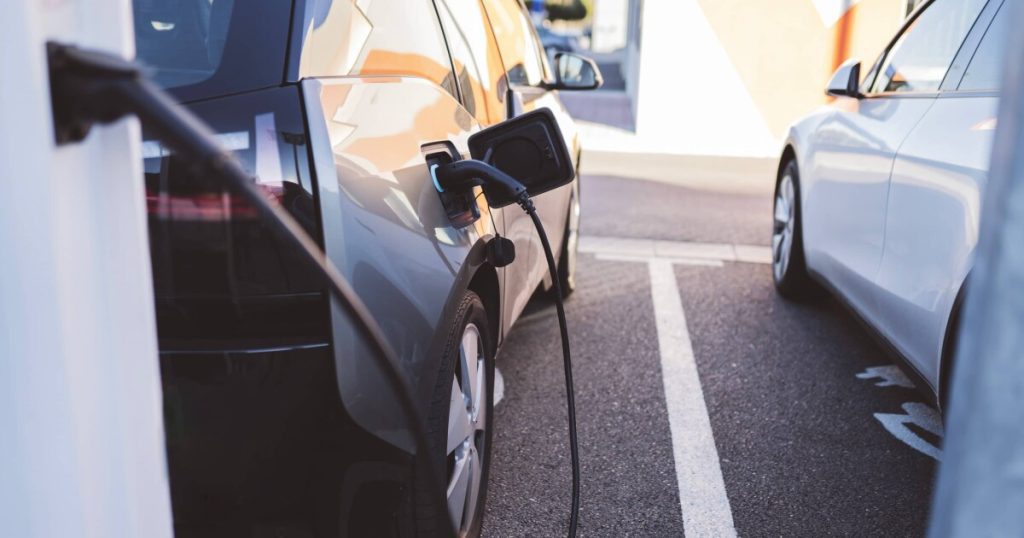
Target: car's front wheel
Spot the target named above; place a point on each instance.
(570, 247)
(789, 270)
(459, 423)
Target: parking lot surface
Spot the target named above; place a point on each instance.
(814, 431)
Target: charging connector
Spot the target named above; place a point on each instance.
(461, 176)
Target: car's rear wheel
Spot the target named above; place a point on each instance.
(789, 270)
(459, 423)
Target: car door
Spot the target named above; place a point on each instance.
(380, 94)
(845, 200)
(524, 79)
(933, 209)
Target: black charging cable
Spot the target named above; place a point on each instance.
(461, 175)
(89, 87)
(570, 394)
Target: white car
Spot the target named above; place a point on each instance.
(878, 193)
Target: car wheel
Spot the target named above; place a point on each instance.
(789, 269)
(459, 423)
(570, 247)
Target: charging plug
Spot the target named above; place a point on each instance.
(500, 188)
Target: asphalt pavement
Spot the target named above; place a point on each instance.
(815, 431)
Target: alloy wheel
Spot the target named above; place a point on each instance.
(572, 242)
(785, 226)
(467, 426)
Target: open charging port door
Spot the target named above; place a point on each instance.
(460, 207)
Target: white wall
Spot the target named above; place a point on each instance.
(691, 100)
(80, 402)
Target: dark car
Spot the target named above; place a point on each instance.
(277, 421)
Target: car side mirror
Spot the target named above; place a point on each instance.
(530, 148)
(575, 72)
(846, 80)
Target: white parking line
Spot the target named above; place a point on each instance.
(684, 251)
(682, 261)
(704, 503)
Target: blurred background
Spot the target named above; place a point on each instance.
(708, 84)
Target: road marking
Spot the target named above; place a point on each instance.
(702, 498)
(682, 261)
(915, 413)
(687, 252)
(499, 386)
(890, 376)
(920, 415)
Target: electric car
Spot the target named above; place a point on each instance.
(277, 420)
(877, 194)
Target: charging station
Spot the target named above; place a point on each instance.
(80, 403)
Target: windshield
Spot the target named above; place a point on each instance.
(204, 48)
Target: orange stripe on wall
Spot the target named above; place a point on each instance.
(843, 29)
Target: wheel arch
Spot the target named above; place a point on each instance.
(788, 154)
(949, 343)
(486, 285)
(476, 274)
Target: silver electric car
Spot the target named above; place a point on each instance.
(278, 423)
(878, 194)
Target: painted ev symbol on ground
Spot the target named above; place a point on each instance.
(916, 416)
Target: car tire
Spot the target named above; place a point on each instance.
(789, 268)
(567, 260)
(464, 392)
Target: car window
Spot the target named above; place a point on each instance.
(920, 57)
(386, 37)
(202, 48)
(472, 48)
(865, 85)
(986, 67)
(519, 49)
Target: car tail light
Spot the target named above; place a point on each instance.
(210, 206)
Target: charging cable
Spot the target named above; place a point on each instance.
(466, 174)
(570, 398)
(89, 87)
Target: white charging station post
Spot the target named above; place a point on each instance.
(82, 448)
(981, 479)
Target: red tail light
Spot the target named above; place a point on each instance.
(206, 207)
